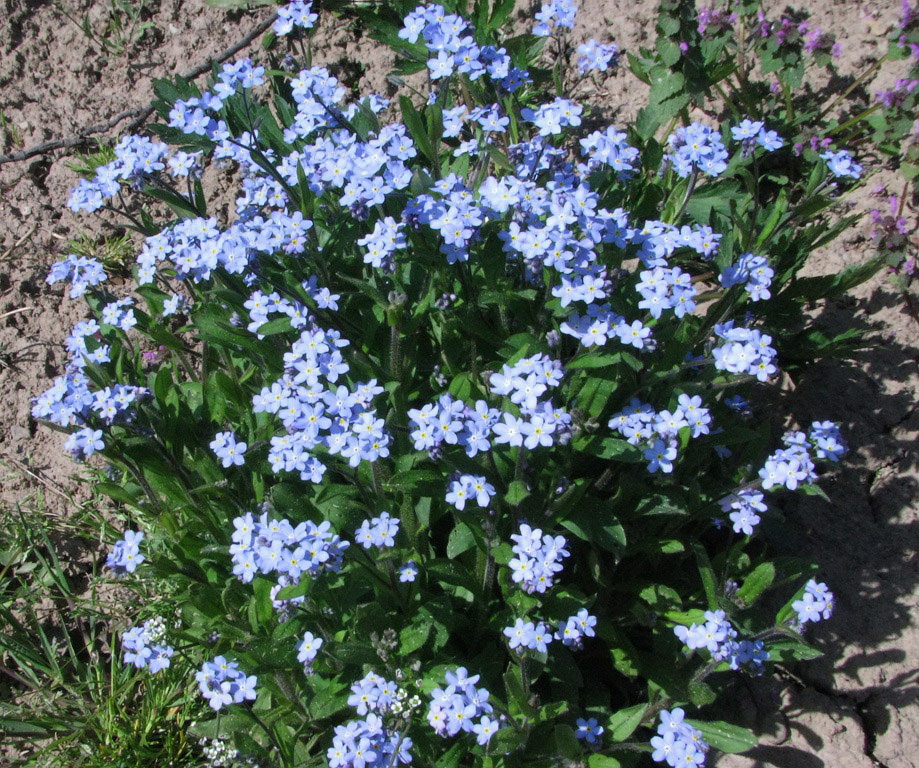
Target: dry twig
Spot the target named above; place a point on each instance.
(138, 115)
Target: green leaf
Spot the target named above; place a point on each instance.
(603, 761)
(772, 220)
(759, 580)
(592, 360)
(222, 726)
(416, 127)
(623, 723)
(278, 325)
(707, 573)
(413, 637)
(516, 695)
(825, 286)
(504, 742)
(812, 489)
(461, 539)
(566, 743)
(295, 590)
(792, 650)
(701, 694)
(261, 611)
(724, 736)
(517, 491)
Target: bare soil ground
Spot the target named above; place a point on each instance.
(855, 707)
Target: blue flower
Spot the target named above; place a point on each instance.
(125, 555)
(842, 165)
(226, 447)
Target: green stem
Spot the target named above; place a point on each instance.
(693, 178)
(872, 69)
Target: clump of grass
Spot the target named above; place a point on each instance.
(115, 252)
(125, 24)
(65, 696)
(10, 135)
(86, 164)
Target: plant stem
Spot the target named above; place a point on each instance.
(693, 178)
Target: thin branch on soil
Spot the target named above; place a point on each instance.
(15, 246)
(16, 311)
(138, 115)
(49, 484)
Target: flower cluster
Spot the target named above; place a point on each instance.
(817, 41)
(554, 117)
(81, 272)
(370, 743)
(137, 158)
(556, 14)
(662, 289)
(84, 443)
(119, 314)
(298, 14)
(378, 532)
(317, 410)
(467, 487)
(752, 132)
(641, 425)
(899, 94)
(751, 271)
(714, 21)
(815, 604)
(451, 422)
(890, 230)
(461, 707)
(222, 682)
(408, 572)
(452, 49)
(609, 148)
(525, 635)
(826, 440)
(742, 508)
(744, 351)
(696, 147)
(196, 116)
(125, 555)
(790, 32)
(141, 646)
(719, 638)
(677, 743)
(230, 451)
(596, 57)
(573, 631)
(220, 753)
(266, 545)
(538, 559)
(841, 165)
(380, 246)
